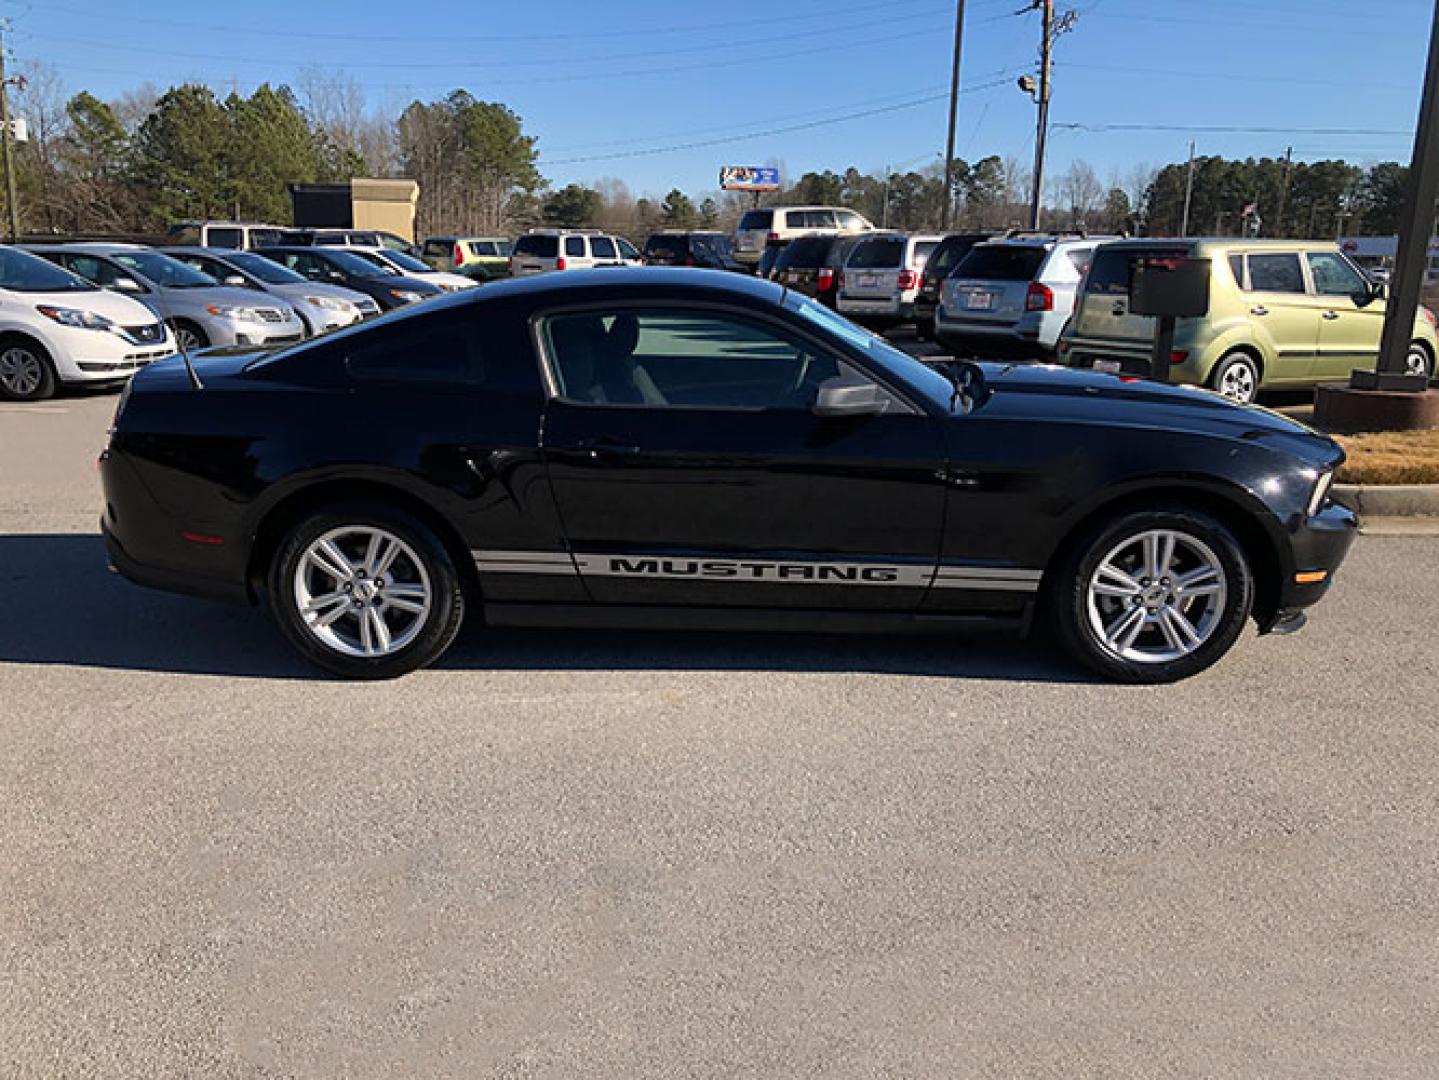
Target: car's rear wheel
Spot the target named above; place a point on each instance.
(1153, 596)
(26, 373)
(1418, 361)
(366, 591)
(1236, 376)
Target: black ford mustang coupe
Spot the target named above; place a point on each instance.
(687, 448)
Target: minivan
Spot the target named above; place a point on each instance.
(759, 229)
(1282, 313)
(881, 277)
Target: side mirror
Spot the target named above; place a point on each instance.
(127, 284)
(1375, 290)
(234, 281)
(848, 396)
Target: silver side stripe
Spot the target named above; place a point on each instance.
(782, 571)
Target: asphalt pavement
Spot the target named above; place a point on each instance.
(685, 855)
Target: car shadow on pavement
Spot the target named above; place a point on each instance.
(59, 605)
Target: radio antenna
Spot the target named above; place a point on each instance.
(189, 364)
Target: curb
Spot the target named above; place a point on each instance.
(1398, 501)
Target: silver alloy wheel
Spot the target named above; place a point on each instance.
(1417, 362)
(1238, 383)
(1157, 596)
(21, 371)
(362, 591)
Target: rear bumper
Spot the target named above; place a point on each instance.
(881, 309)
(156, 577)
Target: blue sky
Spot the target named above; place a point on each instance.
(809, 84)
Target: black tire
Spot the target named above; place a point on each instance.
(1074, 620)
(201, 338)
(1232, 374)
(1418, 349)
(26, 371)
(427, 561)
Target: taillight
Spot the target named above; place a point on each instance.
(459, 256)
(840, 281)
(1178, 356)
(772, 237)
(824, 280)
(560, 263)
(908, 279)
(1429, 316)
(1039, 298)
(689, 260)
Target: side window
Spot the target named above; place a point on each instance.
(575, 246)
(226, 238)
(602, 247)
(822, 219)
(1275, 273)
(305, 264)
(99, 271)
(684, 359)
(422, 352)
(627, 250)
(1334, 276)
(1236, 267)
(848, 219)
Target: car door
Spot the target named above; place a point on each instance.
(1351, 319)
(1284, 312)
(689, 467)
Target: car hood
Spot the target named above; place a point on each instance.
(293, 291)
(224, 295)
(1079, 395)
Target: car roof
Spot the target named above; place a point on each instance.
(633, 283)
(88, 248)
(1202, 244)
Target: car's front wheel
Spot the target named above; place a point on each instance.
(366, 591)
(25, 372)
(1153, 596)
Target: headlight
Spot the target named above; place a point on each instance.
(1321, 492)
(85, 320)
(239, 314)
(330, 303)
(407, 296)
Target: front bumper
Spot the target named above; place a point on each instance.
(261, 334)
(1317, 546)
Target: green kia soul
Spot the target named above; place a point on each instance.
(1282, 313)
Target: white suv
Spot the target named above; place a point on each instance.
(1013, 295)
(56, 327)
(570, 249)
(778, 225)
(881, 276)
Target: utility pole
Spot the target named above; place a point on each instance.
(1041, 134)
(9, 163)
(953, 118)
(1284, 191)
(1416, 224)
(1188, 192)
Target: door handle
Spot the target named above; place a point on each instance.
(1259, 310)
(1331, 315)
(604, 447)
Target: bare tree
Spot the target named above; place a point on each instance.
(1080, 194)
(41, 102)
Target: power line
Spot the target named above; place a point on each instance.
(1225, 129)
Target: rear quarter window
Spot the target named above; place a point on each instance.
(418, 352)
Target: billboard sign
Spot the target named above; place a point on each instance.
(749, 178)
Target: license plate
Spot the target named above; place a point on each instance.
(1113, 367)
(868, 279)
(792, 276)
(979, 301)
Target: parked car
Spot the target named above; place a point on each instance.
(769, 465)
(540, 250)
(365, 238)
(59, 329)
(713, 250)
(349, 269)
(224, 234)
(941, 262)
(1282, 313)
(881, 277)
(1012, 296)
(200, 310)
(321, 307)
(483, 258)
(778, 225)
(413, 267)
(812, 264)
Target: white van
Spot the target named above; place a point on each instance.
(777, 225)
(56, 327)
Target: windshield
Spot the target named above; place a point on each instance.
(405, 261)
(22, 272)
(267, 270)
(901, 365)
(360, 263)
(163, 270)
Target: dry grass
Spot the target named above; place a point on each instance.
(1391, 457)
